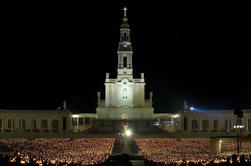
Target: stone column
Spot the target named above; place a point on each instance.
(107, 75)
(39, 123)
(246, 124)
(130, 61)
(142, 75)
(214, 145)
(151, 96)
(98, 94)
(118, 61)
(5, 123)
(172, 121)
(211, 124)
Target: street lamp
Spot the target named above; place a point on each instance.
(128, 133)
(239, 114)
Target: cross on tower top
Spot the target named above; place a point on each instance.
(125, 9)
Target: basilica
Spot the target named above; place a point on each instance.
(124, 101)
(124, 95)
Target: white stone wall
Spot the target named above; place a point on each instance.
(221, 115)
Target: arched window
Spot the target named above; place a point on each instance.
(226, 124)
(124, 93)
(124, 62)
(124, 35)
(185, 123)
(216, 124)
(23, 124)
(205, 124)
(33, 124)
(9, 124)
(230, 125)
(195, 124)
(55, 125)
(44, 124)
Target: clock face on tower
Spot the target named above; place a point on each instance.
(125, 44)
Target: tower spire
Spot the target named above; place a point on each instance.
(125, 48)
(125, 9)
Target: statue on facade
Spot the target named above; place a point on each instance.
(124, 93)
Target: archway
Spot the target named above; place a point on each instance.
(195, 124)
(55, 125)
(44, 124)
(205, 124)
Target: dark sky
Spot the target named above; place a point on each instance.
(196, 52)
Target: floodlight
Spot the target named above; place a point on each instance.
(191, 108)
(239, 126)
(75, 115)
(128, 133)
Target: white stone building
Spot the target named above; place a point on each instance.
(125, 95)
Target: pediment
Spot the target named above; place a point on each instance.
(125, 108)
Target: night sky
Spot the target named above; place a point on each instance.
(192, 53)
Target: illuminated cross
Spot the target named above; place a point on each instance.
(125, 9)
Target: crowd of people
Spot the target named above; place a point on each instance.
(96, 151)
(197, 160)
(84, 151)
(231, 146)
(170, 145)
(188, 151)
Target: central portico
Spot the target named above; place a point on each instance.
(124, 95)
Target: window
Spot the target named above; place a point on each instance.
(81, 121)
(44, 124)
(9, 123)
(124, 62)
(205, 124)
(74, 121)
(216, 124)
(195, 124)
(33, 124)
(124, 35)
(55, 125)
(226, 124)
(230, 125)
(64, 123)
(185, 123)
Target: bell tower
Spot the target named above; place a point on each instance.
(125, 50)
(124, 95)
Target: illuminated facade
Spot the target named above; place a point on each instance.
(124, 99)
(124, 95)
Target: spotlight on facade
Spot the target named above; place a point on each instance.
(128, 133)
(75, 115)
(176, 116)
(238, 126)
(220, 141)
(192, 108)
